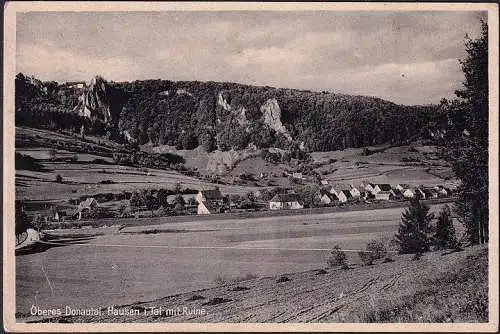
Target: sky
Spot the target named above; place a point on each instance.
(404, 57)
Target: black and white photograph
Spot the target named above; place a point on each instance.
(251, 163)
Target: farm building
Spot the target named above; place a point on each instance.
(369, 187)
(324, 182)
(210, 201)
(59, 215)
(383, 195)
(285, 201)
(396, 194)
(328, 199)
(297, 175)
(344, 196)
(355, 192)
(85, 208)
(442, 191)
(381, 187)
(429, 193)
(337, 188)
(402, 187)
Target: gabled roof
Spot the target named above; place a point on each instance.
(211, 195)
(284, 198)
(384, 186)
(346, 193)
(428, 192)
(333, 197)
(87, 203)
(396, 192)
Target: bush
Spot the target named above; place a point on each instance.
(282, 279)
(374, 250)
(59, 178)
(337, 258)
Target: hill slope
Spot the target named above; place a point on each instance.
(187, 114)
(436, 288)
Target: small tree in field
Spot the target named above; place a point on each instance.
(59, 178)
(445, 237)
(374, 250)
(414, 231)
(337, 258)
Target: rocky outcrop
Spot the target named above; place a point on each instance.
(271, 114)
(95, 101)
(223, 102)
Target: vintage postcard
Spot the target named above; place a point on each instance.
(204, 166)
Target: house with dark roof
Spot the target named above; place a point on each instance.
(344, 196)
(368, 187)
(85, 208)
(381, 187)
(284, 202)
(328, 199)
(402, 186)
(210, 201)
(395, 195)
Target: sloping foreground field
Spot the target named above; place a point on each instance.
(437, 288)
(98, 267)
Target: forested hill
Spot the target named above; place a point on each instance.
(220, 115)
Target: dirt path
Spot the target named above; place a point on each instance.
(333, 295)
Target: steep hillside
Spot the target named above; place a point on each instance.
(220, 116)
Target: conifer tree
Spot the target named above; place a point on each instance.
(444, 236)
(414, 231)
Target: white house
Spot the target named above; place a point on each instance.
(209, 201)
(442, 191)
(285, 201)
(402, 186)
(344, 196)
(383, 195)
(381, 187)
(328, 199)
(85, 207)
(337, 188)
(324, 182)
(369, 187)
(355, 192)
(297, 175)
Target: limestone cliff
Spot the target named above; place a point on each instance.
(271, 114)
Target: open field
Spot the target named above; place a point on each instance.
(440, 287)
(145, 262)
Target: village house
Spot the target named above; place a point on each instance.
(381, 187)
(337, 188)
(442, 191)
(344, 196)
(414, 193)
(369, 187)
(402, 187)
(285, 201)
(297, 175)
(324, 182)
(429, 193)
(210, 201)
(383, 195)
(85, 208)
(395, 195)
(355, 192)
(59, 215)
(328, 199)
